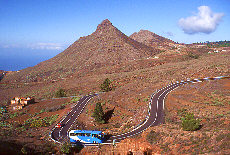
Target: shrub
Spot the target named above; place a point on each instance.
(75, 99)
(182, 112)
(145, 99)
(3, 110)
(50, 120)
(13, 115)
(152, 137)
(43, 110)
(66, 147)
(98, 113)
(105, 86)
(39, 122)
(60, 93)
(194, 56)
(189, 123)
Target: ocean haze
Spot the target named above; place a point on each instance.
(14, 59)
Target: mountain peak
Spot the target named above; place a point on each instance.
(105, 25)
(106, 22)
(145, 33)
(149, 38)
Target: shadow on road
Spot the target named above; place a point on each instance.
(107, 137)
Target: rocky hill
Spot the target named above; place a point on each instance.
(106, 46)
(108, 53)
(151, 39)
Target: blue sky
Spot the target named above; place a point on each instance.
(47, 27)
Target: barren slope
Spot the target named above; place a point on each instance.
(106, 46)
(151, 39)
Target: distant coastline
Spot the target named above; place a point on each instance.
(14, 59)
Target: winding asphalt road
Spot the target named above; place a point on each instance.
(61, 134)
(155, 117)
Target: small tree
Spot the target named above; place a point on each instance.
(189, 123)
(60, 93)
(66, 148)
(105, 86)
(98, 113)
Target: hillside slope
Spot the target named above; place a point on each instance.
(106, 46)
(151, 39)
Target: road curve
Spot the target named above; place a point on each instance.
(61, 134)
(156, 107)
(155, 117)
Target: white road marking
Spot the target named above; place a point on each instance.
(168, 88)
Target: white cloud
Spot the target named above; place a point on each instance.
(205, 21)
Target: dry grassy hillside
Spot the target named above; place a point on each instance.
(151, 39)
(105, 47)
(129, 99)
(136, 71)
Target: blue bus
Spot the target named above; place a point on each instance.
(86, 136)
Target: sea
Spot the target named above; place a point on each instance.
(15, 59)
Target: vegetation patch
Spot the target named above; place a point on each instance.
(40, 122)
(224, 136)
(66, 148)
(60, 93)
(98, 113)
(189, 122)
(75, 99)
(153, 137)
(194, 56)
(106, 86)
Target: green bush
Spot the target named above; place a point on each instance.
(60, 93)
(189, 123)
(75, 99)
(43, 110)
(182, 112)
(106, 85)
(194, 56)
(66, 148)
(14, 115)
(39, 122)
(50, 120)
(3, 110)
(145, 99)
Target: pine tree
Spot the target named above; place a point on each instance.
(98, 113)
(105, 86)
